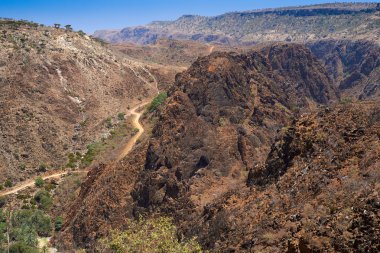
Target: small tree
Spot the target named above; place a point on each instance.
(57, 26)
(81, 33)
(68, 28)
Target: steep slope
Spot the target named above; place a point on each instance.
(57, 88)
(298, 24)
(354, 66)
(219, 123)
(318, 190)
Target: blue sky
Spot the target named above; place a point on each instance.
(90, 15)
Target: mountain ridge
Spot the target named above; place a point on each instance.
(334, 21)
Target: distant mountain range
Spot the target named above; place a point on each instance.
(299, 24)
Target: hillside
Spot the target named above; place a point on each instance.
(58, 91)
(298, 24)
(218, 123)
(353, 65)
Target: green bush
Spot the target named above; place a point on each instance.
(31, 221)
(8, 183)
(21, 247)
(39, 182)
(3, 201)
(58, 223)
(22, 167)
(151, 235)
(157, 101)
(72, 160)
(89, 157)
(43, 199)
(121, 115)
(109, 122)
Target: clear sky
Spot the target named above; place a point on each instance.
(90, 15)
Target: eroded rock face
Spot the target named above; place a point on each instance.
(354, 66)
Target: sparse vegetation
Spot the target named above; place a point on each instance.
(134, 131)
(43, 199)
(89, 157)
(149, 235)
(73, 159)
(157, 101)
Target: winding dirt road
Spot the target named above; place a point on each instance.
(136, 123)
(57, 174)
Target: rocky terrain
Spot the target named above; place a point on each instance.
(353, 65)
(57, 90)
(250, 147)
(170, 52)
(297, 24)
(211, 155)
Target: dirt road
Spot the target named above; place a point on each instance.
(136, 124)
(128, 147)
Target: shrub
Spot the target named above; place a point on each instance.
(157, 101)
(42, 168)
(8, 183)
(81, 33)
(72, 160)
(32, 221)
(121, 115)
(150, 235)
(58, 223)
(90, 154)
(134, 131)
(109, 122)
(21, 247)
(43, 199)
(22, 167)
(39, 182)
(3, 201)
